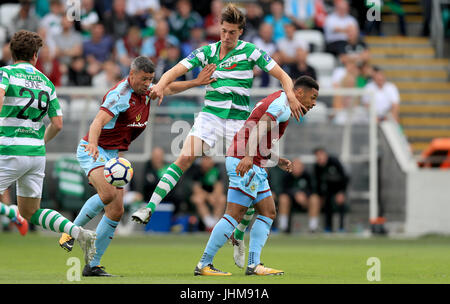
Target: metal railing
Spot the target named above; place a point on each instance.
(437, 26)
(88, 100)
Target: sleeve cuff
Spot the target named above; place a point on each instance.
(107, 111)
(271, 116)
(186, 64)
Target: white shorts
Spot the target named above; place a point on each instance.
(211, 129)
(28, 171)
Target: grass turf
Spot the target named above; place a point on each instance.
(171, 259)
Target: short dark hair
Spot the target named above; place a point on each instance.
(319, 149)
(376, 68)
(233, 15)
(24, 44)
(142, 63)
(306, 82)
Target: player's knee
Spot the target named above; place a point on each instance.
(185, 161)
(270, 213)
(107, 197)
(115, 213)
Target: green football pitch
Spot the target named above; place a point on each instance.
(171, 259)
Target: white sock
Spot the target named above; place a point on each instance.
(283, 222)
(313, 223)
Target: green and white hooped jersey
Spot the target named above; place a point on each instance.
(229, 96)
(29, 96)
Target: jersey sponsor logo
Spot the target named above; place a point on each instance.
(231, 67)
(29, 70)
(137, 125)
(230, 63)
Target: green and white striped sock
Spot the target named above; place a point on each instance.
(165, 185)
(52, 220)
(8, 211)
(240, 229)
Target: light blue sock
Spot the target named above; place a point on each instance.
(105, 232)
(221, 233)
(90, 209)
(258, 237)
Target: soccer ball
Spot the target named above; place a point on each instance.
(118, 171)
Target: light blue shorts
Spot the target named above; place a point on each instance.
(86, 161)
(247, 190)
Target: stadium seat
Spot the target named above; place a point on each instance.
(314, 38)
(7, 13)
(323, 63)
(318, 114)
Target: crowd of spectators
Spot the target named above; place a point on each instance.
(97, 51)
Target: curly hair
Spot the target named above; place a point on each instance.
(24, 44)
(233, 15)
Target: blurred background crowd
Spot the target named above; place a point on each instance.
(97, 50)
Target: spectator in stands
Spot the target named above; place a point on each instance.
(265, 41)
(165, 64)
(300, 67)
(89, 18)
(69, 43)
(108, 76)
(128, 48)
(196, 40)
(289, 46)
(337, 26)
(350, 66)
(386, 95)
(6, 58)
(297, 188)
(208, 191)
(117, 21)
(277, 19)
(330, 182)
(25, 18)
(153, 170)
(306, 14)
(183, 20)
(78, 72)
(156, 46)
(49, 65)
(212, 21)
(98, 49)
(51, 22)
(347, 109)
(354, 47)
(254, 17)
(141, 10)
(265, 6)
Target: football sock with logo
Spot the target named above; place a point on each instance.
(52, 220)
(8, 211)
(90, 209)
(220, 234)
(240, 229)
(258, 237)
(165, 185)
(105, 232)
